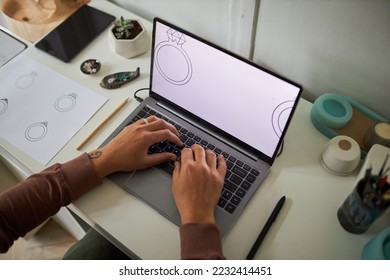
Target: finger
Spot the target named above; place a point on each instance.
(158, 158)
(150, 119)
(176, 170)
(158, 124)
(221, 166)
(186, 155)
(199, 153)
(147, 120)
(164, 135)
(211, 158)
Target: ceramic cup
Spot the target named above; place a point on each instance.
(379, 133)
(341, 155)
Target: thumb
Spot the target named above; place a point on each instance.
(221, 166)
(155, 159)
(176, 171)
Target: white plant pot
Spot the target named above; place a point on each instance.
(129, 48)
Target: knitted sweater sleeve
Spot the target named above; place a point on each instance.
(29, 203)
(200, 241)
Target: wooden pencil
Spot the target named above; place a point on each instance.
(93, 133)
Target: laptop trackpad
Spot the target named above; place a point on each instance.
(155, 188)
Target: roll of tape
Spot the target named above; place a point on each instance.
(379, 133)
(341, 155)
(332, 110)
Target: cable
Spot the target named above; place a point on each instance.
(139, 99)
(281, 149)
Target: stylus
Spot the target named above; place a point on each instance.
(266, 228)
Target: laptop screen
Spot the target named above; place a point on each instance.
(232, 94)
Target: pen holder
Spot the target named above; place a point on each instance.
(356, 214)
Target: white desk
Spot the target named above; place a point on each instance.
(307, 227)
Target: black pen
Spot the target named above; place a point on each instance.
(266, 228)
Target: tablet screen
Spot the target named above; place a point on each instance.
(10, 47)
(75, 33)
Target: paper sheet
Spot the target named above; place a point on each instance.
(40, 109)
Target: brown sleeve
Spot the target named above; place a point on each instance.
(31, 202)
(200, 242)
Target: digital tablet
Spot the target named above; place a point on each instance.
(75, 33)
(10, 47)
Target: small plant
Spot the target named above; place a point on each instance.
(126, 28)
(128, 38)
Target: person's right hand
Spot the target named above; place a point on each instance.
(197, 184)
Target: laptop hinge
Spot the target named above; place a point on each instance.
(210, 132)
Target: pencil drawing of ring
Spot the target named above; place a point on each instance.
(65, 102)
(26, 81)
(278, 122)
(36, 131)
(173, 48)
(3, 105)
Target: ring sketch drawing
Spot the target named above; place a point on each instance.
(3, 105)
(36, 131)
(66, 102)
(278, 120)
(173, 47)
(26, 81)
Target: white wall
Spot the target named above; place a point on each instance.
(329, 46)
(227, 23)
(325, 45)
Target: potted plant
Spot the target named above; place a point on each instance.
(128, 38)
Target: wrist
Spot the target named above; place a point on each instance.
(196, 218)
(100, 163)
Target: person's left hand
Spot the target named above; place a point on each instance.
(129, 149)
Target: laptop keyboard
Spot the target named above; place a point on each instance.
(239, 175)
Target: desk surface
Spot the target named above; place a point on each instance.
(307, 227)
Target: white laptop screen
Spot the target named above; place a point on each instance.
(237, 97)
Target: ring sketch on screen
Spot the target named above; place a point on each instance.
(280, 116)
(182, 72)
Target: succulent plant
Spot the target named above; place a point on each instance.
(126, 28)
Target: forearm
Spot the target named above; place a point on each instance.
(31, 202)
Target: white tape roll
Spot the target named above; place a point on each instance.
(341, 155)
(379, 133)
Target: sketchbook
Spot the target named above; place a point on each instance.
(40, 109)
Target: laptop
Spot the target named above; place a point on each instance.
(219, 100)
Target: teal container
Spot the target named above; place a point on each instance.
(378, 248)
(332, 110)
